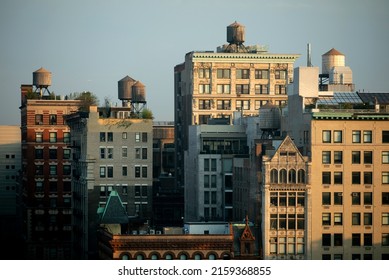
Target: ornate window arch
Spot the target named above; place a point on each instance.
(274, 176)
(301, 176)
(283, 176)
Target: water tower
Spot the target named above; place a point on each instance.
(132, 93)
(236, 38)
(125, 90)
(41, 79)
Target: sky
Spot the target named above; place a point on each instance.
(91, 45)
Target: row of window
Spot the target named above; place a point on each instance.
(181, 256)
(287, 221)
(53, 187)
(108, 152)
(338, 198)
(210, 197)
(139, 171)
(139, 136)
(337, 239)
(287, 177)
(356, 177)
(53, 170)
(358, 136)
(53, 153)
(241, 89)
(205, 73)
(286, 245)
(52, 137)
(355, 157)
(140, 190)
(289, 199)
(355, 219)
(353, 257)
(53, 120)
(207, 104)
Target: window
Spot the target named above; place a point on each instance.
(110, 171)
(326, 219)
(205, 104)
(206, 164)
(137, 136)
(53, 170)
(385, 157)
(385, 198)
(204, 88)
(109, 136)
(283, 177)
(144, 171)
(243, 73)
(338, 198)
(274, 176)
(213, 164)
(356, 136)
(137, 171)
(326, 239)
(368, 177)
(261, 74)
(326, 257)
(385, 136)
(124, 170)
(110, 153)
(385, 177)
(124, 135)
(102, 153)
(53, 153)
(301, 176)
(326, 198)
(356, 178)
(53, 137)
(280, 74)
(223, 88)
(38, 119)
(204, 73)
(144, 137)
(39, 187)
(356, 198)
(326, 136)
(102, 171)
(385, 219)
(367, 136)
(356, 157)
(67, 170)
(385, 239)
(326, 178)
(223, 73)
(66, 137)
(356, 239)
(124, 152)
(102, 136)
(338, 136)
(338, 157)
(367, 157)
(38, 169)
(261, 89)
(53, 119)
(144, 153)
(292, 176)
(224, 104)
(242, 89)
(137, 153)
(338, 239)
(367, 240)
(368, 219)
(39, 137)
(356, 219)
(338, 178)
(368, 198)
(326, 157)
(38, 153)
(338, 219)
(280, 89)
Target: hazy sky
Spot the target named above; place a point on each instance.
(91, 45)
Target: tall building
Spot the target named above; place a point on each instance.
(112, 151)
(235, 78)
(46, 170)
(10, 168)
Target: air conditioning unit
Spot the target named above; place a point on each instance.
(152, 231)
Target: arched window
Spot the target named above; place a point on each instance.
(197, 256)
(212, 257)
(125, 257)
(154, 257)
(301, 176)
(283, 176)
(183, 256)
(292, 176)
(169, 257)
(274, 176)
(140, 257)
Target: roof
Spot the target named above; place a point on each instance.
(340, 98)
(114, 211)
(369, 97)
(333, 52)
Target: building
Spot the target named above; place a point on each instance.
(216, 84)
(46, 170)
(10, 169)
(208, 168)
(112, 152)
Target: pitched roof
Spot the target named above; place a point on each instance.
(114, 211)
(333, 52)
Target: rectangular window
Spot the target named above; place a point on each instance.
(110, 171)
(242, 89)
(338, 198)
(39, 137)
(102, 152)
(53, 119)
(38, 153)
(110, 136)
(110, 153)
(356, 219)
(137, 136)
(206, 164)
(213, 164)
(368, 198)
(213, 181)
(53, 170)
(385, 136)
(385, 219)
(280, 89)
(356, 157)
(53, 153)
(326, 219)
(243, 73)
(204, 88)
(66, 137)
(385, 239)
(368, 219)
(206, 197)
(224, 104)
(206, 181)
(356, 136)
(102, 136)
(280, 74)
(38, 169)
(66, 153)
(205, 104)
(124, 170)
(368, 178)
(144, 171)
(67, 170)
(326, 239)
(326, 136)
(367, 240)
(338, 157)
(213, 197)
(367, 136)
(223, 89)
(144, 153)
(261, 74)
(326, 198)
(124, 135)
(356, 198)
(137, 171)
(356, 239)
(356, 178)
(385, 177)
(223, 73)
(326, 157)
(385, 157)
(38, 119)
(338, 219)
(204, 73)
(326, 178)
(124, 152)
(385, 198)
(367, 157)
(338, 239)
(137, 153)
(338, 138)
(144, 137)
(338, 178)
(53, 137)
(261, 89)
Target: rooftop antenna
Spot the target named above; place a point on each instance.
(309, 58)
